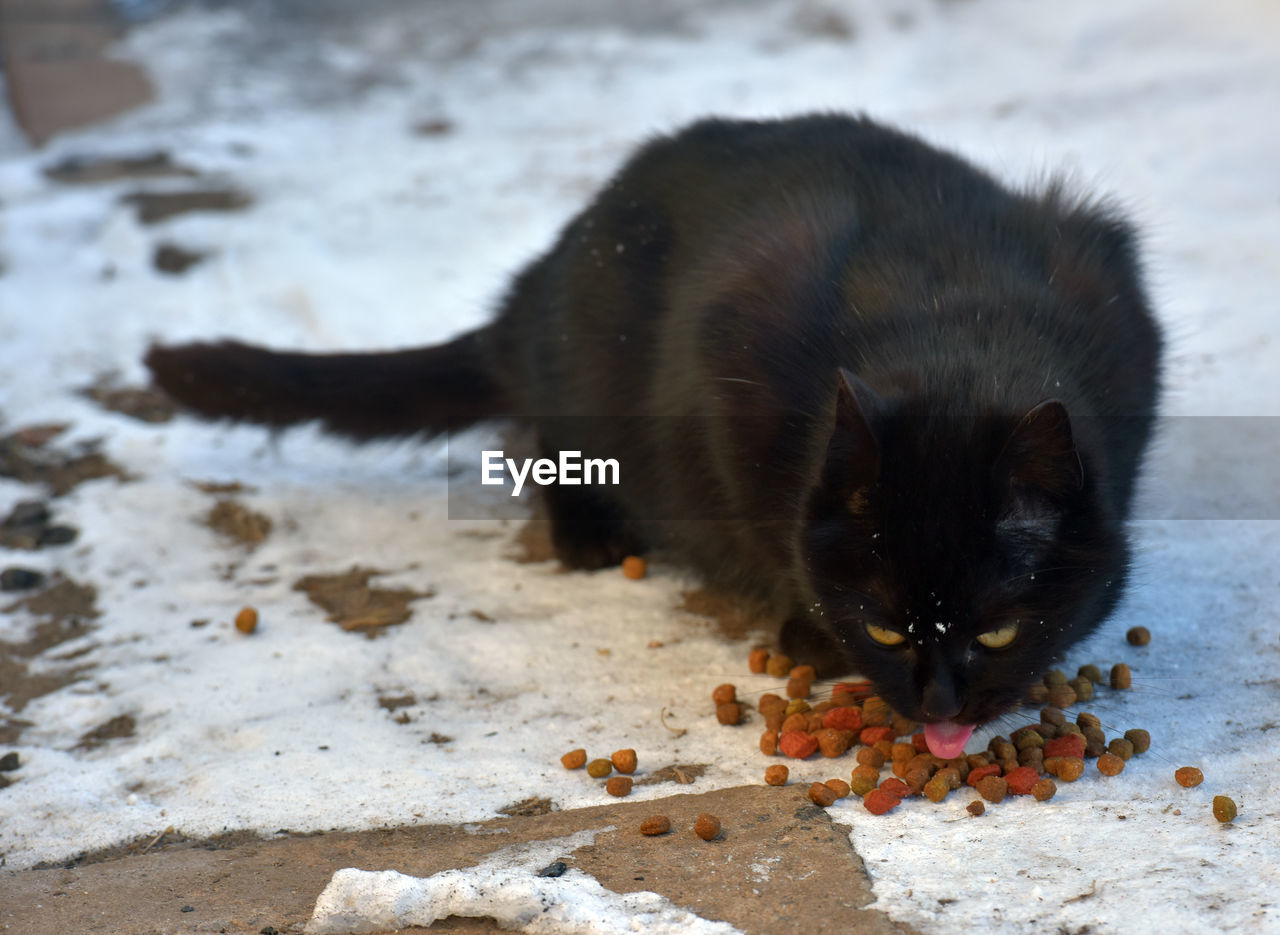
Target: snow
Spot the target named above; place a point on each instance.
(365, 235)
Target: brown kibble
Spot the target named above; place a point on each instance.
(1188, 776)
(729, 714)
(1068, 768)
(1120, 747)
(838, 786)
(779, 666)
(992, 788)
(1224, 808)
(1095, 741)
(776, 775)
(975, 808)
(618, 785)
(917, 778)
(1062, 696)
(655, 824)
(771, 702)
(1121, 677)
(707, 827)
(769, 743)
(1052, 715)
(1140, 739)
(1044, 790)
(247, 620)
(798, 688)
(598, 769)
(624, 761)
(1088, 719)
(1110, 765)
(1138, 636)
(724, 694)
(870, 756)
(1055, 677)
(757, 660)
(834, 743)
(574, 759)
(795, 722)
(1037, 693)
(807, 673)
(822, 795)
(634, 567)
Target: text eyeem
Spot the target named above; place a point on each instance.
(570, 469)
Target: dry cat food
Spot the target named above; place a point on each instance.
(1121, 676)
(574, 759)
(776, 775)
(1188, 776)
(247, 620)
(724, 694)
(598, 769)
(634, 567)
(624, 761)
(975, 808)
(1224, 808)
(1138, 636)
(822, 795)
(707, 827)
(618, 785)
(655, 824)
(729, 713)
(1110, 764)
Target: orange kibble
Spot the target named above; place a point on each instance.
(822, 795)
(757, 660)
(618, 785)
(807, 673)
(574, 759)
(724, 694)
(798, 688)
(247, 620)
(624, 761)
(769, 743)
(656, 824)
(838, 786)
(634, 567)
(776, 775)
(1188, 776)
(1110, 765)
(729, 714)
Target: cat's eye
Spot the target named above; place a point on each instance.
(999, 639)
(885, 636)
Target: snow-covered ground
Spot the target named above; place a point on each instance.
(366, 233)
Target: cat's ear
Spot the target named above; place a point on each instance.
(1040, 455)
(853, 454)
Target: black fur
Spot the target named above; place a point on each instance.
(843, 372)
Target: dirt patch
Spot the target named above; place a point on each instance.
(64, 610)
(395, 702)
(145, 405)
(234, 520)
(29, 526)
(532, 543)
(154, 207)
(353, 605)
(734, 617)
(813, 879)
(59, 471)
(88, 170)
(117, 728)
(527, 808)
(222, 487)
(682, 773)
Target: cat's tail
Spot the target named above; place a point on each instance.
(360, 396)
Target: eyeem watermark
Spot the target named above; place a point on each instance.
(569, 470)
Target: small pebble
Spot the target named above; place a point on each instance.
(9, 762)
(20, 579)
(556, 868)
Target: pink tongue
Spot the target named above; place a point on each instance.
(947, 739)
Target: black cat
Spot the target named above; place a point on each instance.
(842, 371)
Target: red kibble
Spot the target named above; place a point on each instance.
(920, 743)
(859, 689)
(877, 801)
(843, 719)
(896, 787)
(979, 773)
(797, 744)
(871, 735)
(1067, 745)
(1021, 780)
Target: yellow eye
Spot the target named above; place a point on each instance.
(999, 639)
(884, 636)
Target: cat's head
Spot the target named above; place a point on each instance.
(953, 554)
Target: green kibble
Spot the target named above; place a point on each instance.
(1090, 672)
(796, 706)
(936, 789)
(1140, 739)
(1055, 677)
(1026, 737)
(1224, 808)
(598, 769)
(1038, 693)
(1052, 716)
(1120, 747)
(1082, 687)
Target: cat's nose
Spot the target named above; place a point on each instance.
(940, 699)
